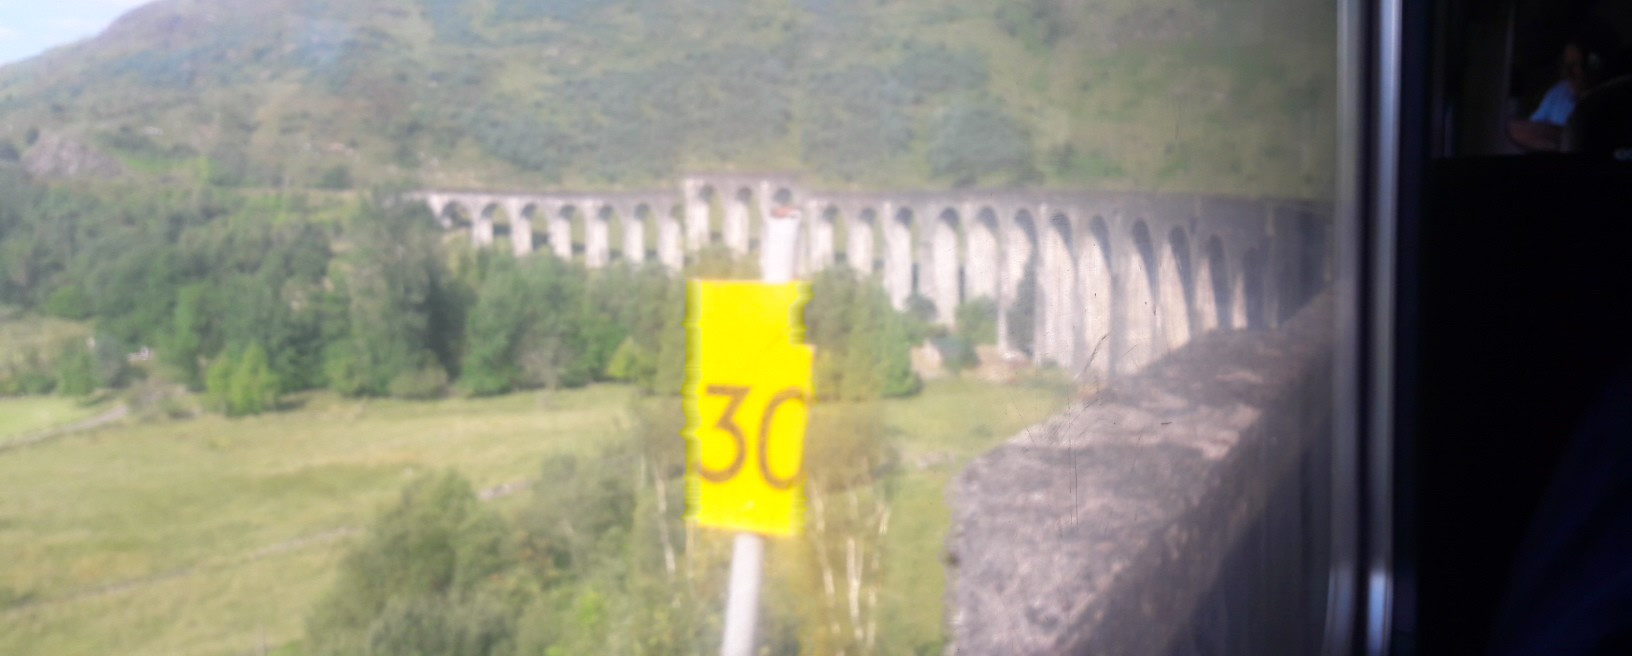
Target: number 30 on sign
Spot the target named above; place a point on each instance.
(747, 399)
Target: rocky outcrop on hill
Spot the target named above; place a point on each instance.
(57, 156)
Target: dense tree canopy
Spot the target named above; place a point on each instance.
(249, 298)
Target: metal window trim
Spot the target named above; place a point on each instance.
(1360, 585)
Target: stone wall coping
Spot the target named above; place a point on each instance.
(1100, 529)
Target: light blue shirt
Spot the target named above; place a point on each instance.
(1556, 106)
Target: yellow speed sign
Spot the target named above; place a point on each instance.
(747, 398)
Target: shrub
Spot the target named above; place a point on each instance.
(68, 302)
(977, 321)
(975, 141)
(35, 382)
(427, 383)
(335, 177)
(862, 343)
(242, 385)
(630, 362)
(76, 372)
(218, 384)
(253, 387)
(418, 582)
(920, 308)
(956, 352)
(1023, 311)
(28, 374)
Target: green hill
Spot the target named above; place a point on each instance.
(1230, 97)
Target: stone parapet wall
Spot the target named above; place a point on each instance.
(1180, 511)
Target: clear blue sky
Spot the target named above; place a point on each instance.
(30, 27)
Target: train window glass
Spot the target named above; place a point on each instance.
(358, 327)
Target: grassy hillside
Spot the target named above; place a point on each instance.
(1163, 94)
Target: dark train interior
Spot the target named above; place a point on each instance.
(1511, 466)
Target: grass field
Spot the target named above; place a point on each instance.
(944, 428)
(21, 417)
(214, 536)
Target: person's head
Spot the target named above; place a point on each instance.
(1573, 66)
(1580, 63)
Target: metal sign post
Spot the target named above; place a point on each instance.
(779, 252)
(742, 606)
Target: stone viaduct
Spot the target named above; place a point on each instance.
(1121, 278)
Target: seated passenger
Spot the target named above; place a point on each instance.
(1545, 128)
(1601, 124)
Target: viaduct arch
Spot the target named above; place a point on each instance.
(1120, 279)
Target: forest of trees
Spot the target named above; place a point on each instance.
(247, 298)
